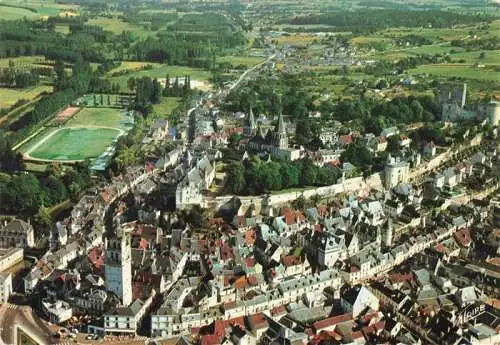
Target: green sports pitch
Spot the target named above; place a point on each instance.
(87, 135)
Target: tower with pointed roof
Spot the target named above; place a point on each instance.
(249, 123)
(281, 133)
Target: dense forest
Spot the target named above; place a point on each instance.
(369, 21)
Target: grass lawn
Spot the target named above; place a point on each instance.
(164, 109)
(132, 65)
(74, 143)
(456, 70)
(492, 57)
(248, 61)
(9, 97)
(161, 72)
(106, 117)
(14, 13)
(116, 26)
(62, 29)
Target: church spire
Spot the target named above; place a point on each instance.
(251, 119)
(281, 125)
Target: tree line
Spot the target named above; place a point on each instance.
(365, 21)
(255, 176)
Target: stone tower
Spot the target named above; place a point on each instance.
(250, 123)
(282, 136)
(118, 268)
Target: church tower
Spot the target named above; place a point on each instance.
(249, 123)
(118, 268)
(282, 136)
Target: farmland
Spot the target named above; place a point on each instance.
(9, 96)
(14, 13)
(457, 70)
(160, 71)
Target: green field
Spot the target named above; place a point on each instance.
(132, 65)
(9, 96)
(15, 13)
(106, 117)
(161, 72)
(247, 61)
(117, 26)
(87, 135)
(456, 70)
(74, 143)
(164, 109)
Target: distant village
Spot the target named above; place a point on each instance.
(408, 255)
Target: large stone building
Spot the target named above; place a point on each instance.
(274, 142)
(396, 171)
(118, 268)
(17, 234)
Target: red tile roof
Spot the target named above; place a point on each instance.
(96, 257)
(258, 321)
(331, 321)
(463, 237)
(211, 340)
(346, 139)
(290, 260)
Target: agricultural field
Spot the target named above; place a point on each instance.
(299, 39)
(199, 77)
(457, 70)
(116, 26)
(15, 13)
(24, 61)
(39, 9)
(132, 65)
(9, 96)
(247, 61)
(87, 134)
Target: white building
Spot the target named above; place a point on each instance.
(396, 171)
(58, 311)
(118, 268)
(127, 319)
(10, 257)
(5, 287)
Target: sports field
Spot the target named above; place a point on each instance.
(88, 134)
(73, 144)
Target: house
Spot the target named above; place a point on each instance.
(450, 177)
(404, 141)
(159, 130)
(18, 234)
(92, 301)
(429, 149)
(357, 300)
(389, 132)
(126, 319)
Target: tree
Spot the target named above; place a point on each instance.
(308, 174)
(155, 92)
(24, 194)
(56, 191)
(236, 182)
(290, 175)
(482, 56)
(44, 218)
(131, 84)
